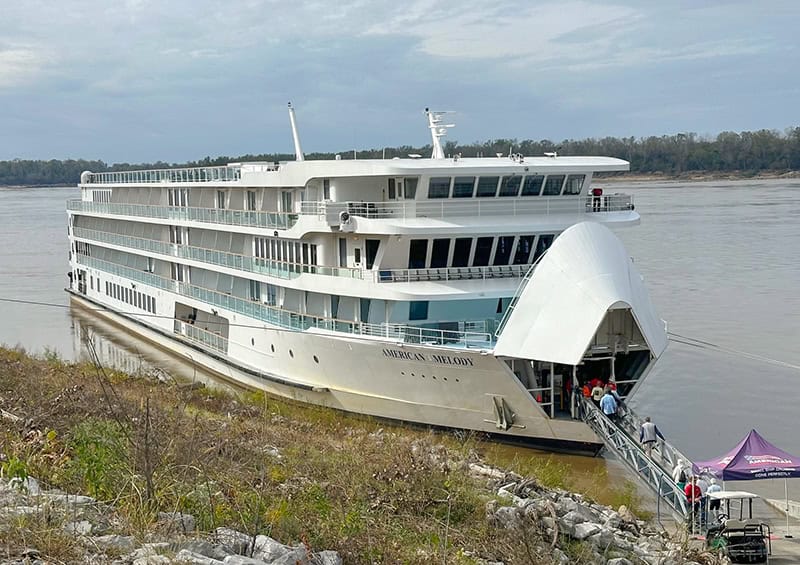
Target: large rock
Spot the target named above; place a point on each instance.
(326, 558)
(584, 530)
(237, 541)
(176, 522)
(120, 544)
(206, 549)
(190, 557)
(619, 561)
(242, 560)
(269, 550)
(602, 539)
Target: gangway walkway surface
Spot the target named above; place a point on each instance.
(656, 471)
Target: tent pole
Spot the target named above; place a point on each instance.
(786, 493)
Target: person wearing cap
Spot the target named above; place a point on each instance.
(714, 503)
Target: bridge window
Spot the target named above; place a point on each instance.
(574, 184)
(483, 251)
(462, 251)
(417, 253)
(418, 310)
(487, 186)
(544, 243)
(532, 185)
(552, 185)
(439, 253)
(524, 247)
(392, 190)
(439, 187)
(463, 187)
(503, 252)
(510, 186)
(411, 188)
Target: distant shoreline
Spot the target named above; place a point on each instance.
(697, 176)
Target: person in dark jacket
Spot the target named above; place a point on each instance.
(648, 436)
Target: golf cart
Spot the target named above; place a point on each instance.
(744, 540)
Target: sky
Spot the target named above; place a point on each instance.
(177, 80)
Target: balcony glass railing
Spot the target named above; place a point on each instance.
(296, 321)
(272, 268)
(190, 174)
(469, 207)
(247, 218)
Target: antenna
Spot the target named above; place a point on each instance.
(298, 151)
(438, 131)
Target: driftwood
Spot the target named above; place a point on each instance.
(9, 416)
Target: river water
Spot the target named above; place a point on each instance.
(721, 261)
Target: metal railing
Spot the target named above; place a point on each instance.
(246, 218)
(451, 273)
(194, 334)
(190, 174)
(269, 267)
(628, 450)
(469, 207)
(295, 320)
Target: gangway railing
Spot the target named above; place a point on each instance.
(664, 453)
(628, 450)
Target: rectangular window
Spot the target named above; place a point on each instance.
(463, 187)
(532, 185)
(439, 187)
(221, 199)
(439, 253)
(251, 200)
(483, 251)
(313, 254)
(417, 253)
(411, 187)
(418, 310)
(503, 252)
(461, 251)
(178, 197)
(342, 252)
(487, 186)
(272, 294)
(357, 255)
(510, 185)
(544, 243)
(552, 186)
(91, 283)
(524, 247)
(364, 304)
(255, 290)
(326, 189)
(392, 190)
(372, 251)
(334, 306)
(574, 184)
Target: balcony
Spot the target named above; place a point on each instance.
(475, 334)
(246, 218)
(469, 207)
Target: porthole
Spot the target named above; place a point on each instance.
(316, 359)
(272, 347)
(291, 354)
(402, 373)
(434, 377)
(445, 378)
(458, 381)
(413, 375)
(252, 341)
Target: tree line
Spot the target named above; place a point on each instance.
(746, 153)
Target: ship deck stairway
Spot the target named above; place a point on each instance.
(656, 471)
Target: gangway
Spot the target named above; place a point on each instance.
(655, 471)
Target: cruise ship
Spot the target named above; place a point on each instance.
(476, 294)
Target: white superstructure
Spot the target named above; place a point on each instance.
(379, 286)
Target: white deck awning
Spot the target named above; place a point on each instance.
(586, 273)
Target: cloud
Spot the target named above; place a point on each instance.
(20, 65)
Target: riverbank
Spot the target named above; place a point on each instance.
(696, 176)
(155, 468)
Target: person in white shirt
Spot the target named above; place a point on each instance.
(714, 503)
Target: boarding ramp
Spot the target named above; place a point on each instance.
(654, 471)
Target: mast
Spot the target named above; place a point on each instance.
(298, 151)
(438, 131)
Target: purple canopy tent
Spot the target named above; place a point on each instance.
(753, 458)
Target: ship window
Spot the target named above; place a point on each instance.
(483, 250)
(392, 190)
(251, 200)
(326, 189)
(574, 184)
(552, 185)
(510, 186)
(463, 187)
(334, 306)
(372, 251)
(487, 186)
(316, 359)
(364, 304)
(545, 241)
(418, 310)
(532, 185)
(461, 251)
(342, 252)
(417, 253)
(503, 253)
(439, 253)
(439, 187)
(221, 199)
(357, 255)
(524, 247)
(313, 254)
(411, 187)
